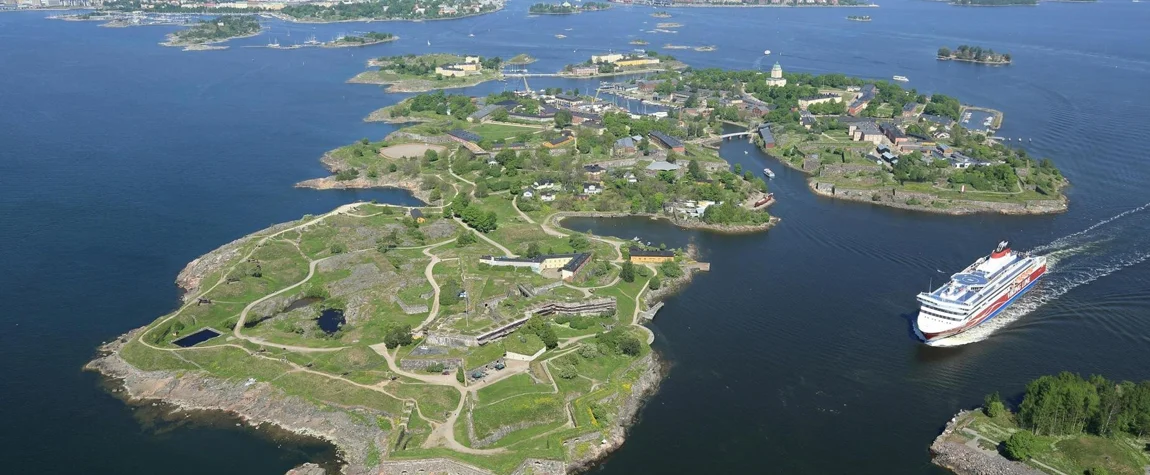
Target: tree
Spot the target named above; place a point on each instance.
(578, 242)
(1021, 445)
(630, 345)
(533, 250)
(562, 118)
(992, 405)
(465, 239)
(430, 155)
(397, 335)
(670, 269)
(695, 171)
(944, 52)
(654, 283)
(459, 375)
(500, 114)
(627, 273)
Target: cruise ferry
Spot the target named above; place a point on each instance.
(978, 293)
(901, 78)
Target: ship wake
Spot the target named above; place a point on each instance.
(1074, 260)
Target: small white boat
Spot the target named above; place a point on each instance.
(428, 42)
(901, 78)
(471, 35)
(768, 173)
(767, 52)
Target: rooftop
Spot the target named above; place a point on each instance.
(464, 135)
(662, 166)
(651, 252)
(666, 139)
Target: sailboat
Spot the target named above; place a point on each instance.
(428, 42)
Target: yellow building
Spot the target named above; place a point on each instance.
(554, 262)
(636, 62)
(606, 58)
(451, 72)
(644, 256)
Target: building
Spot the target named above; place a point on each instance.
(625, 145)
(648, 85)
(939, 120)
(605, 58)
(668, 142)
(468, 140)
(908, 109)
(545, 184)
(594, 172)
(644, 256)
(631, 62)
(573, 266)
(631, 178)
(865, 131)
(776, 79)
(417, 215)
(767, 136)
(567, 100)
(592, 189)
(661, 166)
(547, 197)
(819, 99)
(806, 120)
(866, 94)
(559, 141)
(893, 133)
(584, 70)
(483, 112)
(528, 194)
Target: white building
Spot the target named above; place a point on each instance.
(776, 78)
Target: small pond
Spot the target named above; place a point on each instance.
(197, 338)
(330, 320)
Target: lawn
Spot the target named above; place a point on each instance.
(513, 386)
(500, 131)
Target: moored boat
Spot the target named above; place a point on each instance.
(978, 293)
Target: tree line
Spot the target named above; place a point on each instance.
(1068, 404)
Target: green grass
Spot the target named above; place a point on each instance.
(531, 408)
(433, 400)
(500, 131)
(482, 355)
(523, 343)
(512, 386)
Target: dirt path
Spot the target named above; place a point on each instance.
(507, 252)
(429, 273)
(515, 204)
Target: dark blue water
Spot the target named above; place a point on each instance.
(121, 160)
(330, 319)
(197, 338)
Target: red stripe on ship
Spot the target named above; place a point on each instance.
(982, 316)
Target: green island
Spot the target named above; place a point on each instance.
(621, 64)
(566, 8)
(471, 334)
(869, 141)
(412, 73)
(973, 54)
(216, 30)
(366, 39)
(521, 59)
(1065, 424)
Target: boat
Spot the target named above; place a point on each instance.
(901, 78)
(767, 52)
(978, 293)
(768, 173)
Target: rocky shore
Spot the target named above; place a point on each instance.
(557, 218)
(952, 452)
(602, 444)
(254, 402)
(333, 164)
(893, 198)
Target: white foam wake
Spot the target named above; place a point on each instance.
(1073, 260)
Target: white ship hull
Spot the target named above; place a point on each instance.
(977, 294)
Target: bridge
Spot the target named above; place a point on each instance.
(737, 134)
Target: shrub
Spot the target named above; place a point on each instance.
(566, 372)
(459, 375)
(992, 406)
(654, 283)
(435, 368)
(398, 335)
(1021, 445)
(338, 248)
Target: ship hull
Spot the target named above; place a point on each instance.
(1002, 303)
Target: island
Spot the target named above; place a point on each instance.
(869, 141)
(567, 8)
(1065, 424)
(470, 334)
(522, 59)
(973, 54)
(859, 18)
(204, 33)
(661, 14)
(621, 64)
(639, 42)
(412, 73)
(366, 39)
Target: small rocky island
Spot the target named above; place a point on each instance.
(431, 71)
(365, 39)
(203, 34)
(973, 54)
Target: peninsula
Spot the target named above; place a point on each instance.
(973, 54)
(567, 8)
(413, 73)
(869, 141)
(472, 334)
(216, 30)
(1065, 424)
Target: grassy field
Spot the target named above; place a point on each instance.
(517, 385)
(501, 131)
(1121, 455)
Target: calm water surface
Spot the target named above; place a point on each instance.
(121, 160)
